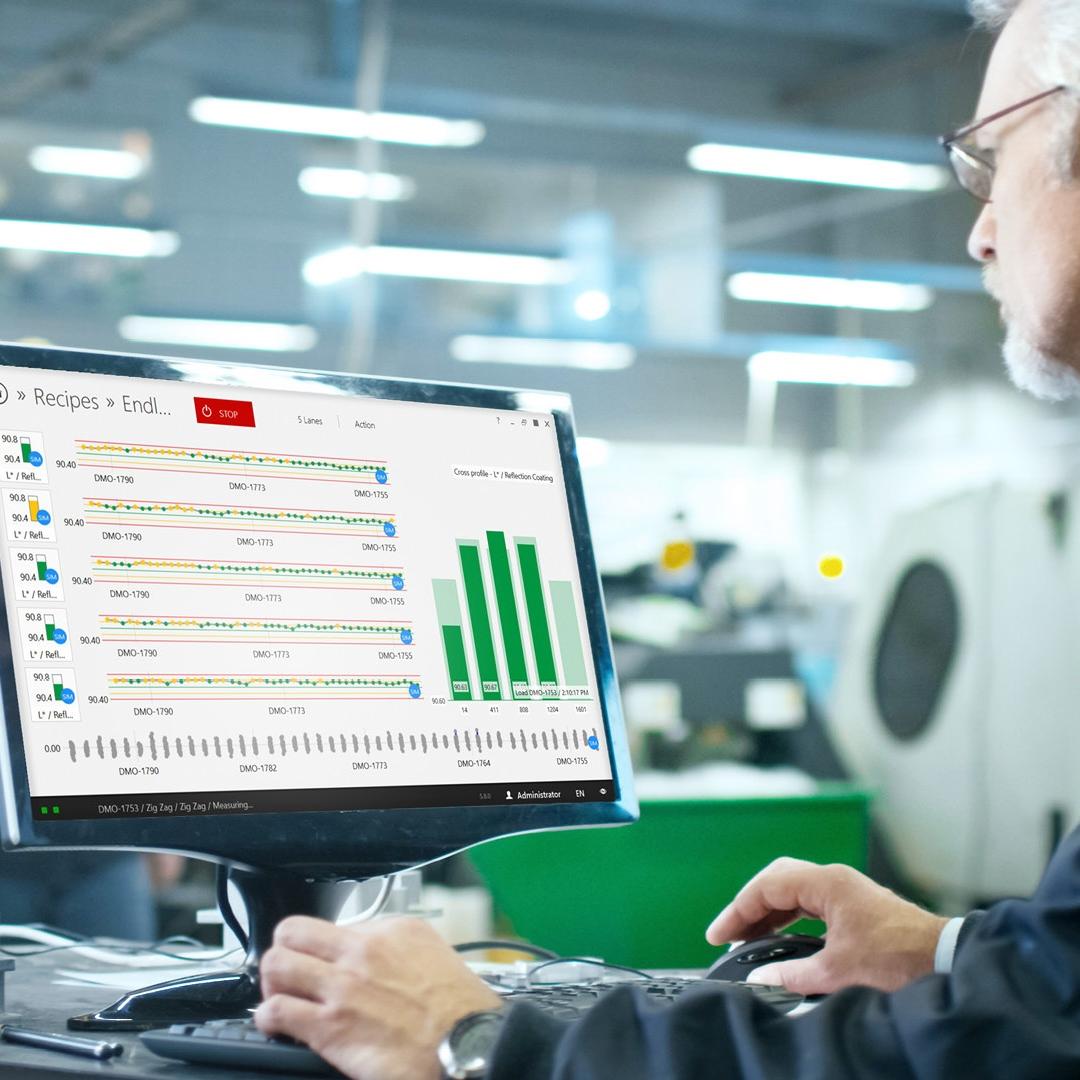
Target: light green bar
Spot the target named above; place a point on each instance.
(568, 632)
(448, 609)
(447, 604)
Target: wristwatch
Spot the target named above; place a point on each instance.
(465, 1052)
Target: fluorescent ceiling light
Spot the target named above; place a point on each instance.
(354, 184)
(218, 333)
(85, 161)
(592, 305)
(817, 168)
(827, 368)
(335, 123)
(350, 261)
(829, 291)
(542, 352)
(87, 239)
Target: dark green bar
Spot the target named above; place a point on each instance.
(457, 665)
(448, 610)
(534, 602)
(508, 612)
(479, 619)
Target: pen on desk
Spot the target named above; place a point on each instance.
(66, 1044)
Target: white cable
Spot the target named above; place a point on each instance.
(133, 956)
(121, 955)
(375, 907)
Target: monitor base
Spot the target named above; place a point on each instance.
(222, 995)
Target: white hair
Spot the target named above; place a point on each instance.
(1054, 62)
(992, 14)
(1031, 368)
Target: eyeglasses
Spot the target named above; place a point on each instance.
(973, 166)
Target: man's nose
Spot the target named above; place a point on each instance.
(982, 242)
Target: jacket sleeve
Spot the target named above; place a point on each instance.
(971, 921)
(1010, 1009)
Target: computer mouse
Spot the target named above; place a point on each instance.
(738, 962)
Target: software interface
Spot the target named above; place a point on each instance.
(224, 600)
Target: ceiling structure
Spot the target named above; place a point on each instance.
(589, 109)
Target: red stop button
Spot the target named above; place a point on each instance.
(210, 410)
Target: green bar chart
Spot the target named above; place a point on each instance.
(448, 611)
(506, 632)
(529, 561)
(508, 613)
(479, 619)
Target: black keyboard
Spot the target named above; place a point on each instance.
(236, 1043)
(568, 1000)
(240, 1044)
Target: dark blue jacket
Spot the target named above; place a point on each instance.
(1009, 1010)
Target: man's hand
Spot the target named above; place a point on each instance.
(375, 1000)
(874, 937)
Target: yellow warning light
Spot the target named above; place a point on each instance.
(831, 566)
(677, 555)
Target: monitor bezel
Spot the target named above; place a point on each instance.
(315, 844)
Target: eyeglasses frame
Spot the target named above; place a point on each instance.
(951, 142)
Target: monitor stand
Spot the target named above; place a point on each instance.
(268, 898)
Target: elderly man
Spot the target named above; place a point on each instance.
(996, 994)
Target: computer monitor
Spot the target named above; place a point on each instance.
(314, 626)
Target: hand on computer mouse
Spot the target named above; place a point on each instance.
(744, 958)
(875, 938)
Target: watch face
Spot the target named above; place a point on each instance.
(471, 1043)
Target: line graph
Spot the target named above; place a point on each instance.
(247, 686)
(216, 572)
(249, 463)
(219, 516)
(240, 629)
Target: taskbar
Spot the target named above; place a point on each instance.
(301, 800)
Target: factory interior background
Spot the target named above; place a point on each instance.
(836, 543)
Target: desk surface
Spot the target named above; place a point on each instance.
(34, 1001)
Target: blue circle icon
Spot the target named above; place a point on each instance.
(414, 690)
(594, 742)
(43, 517)
(380, 475)
(52, 577)
(406, 637)
(36, 459)
(389, 528)
(67, 696)
(59, 636)
(397, 581)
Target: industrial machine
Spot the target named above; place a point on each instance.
(957, 691)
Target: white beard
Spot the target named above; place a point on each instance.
(1035, 371)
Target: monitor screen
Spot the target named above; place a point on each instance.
(232, 592)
